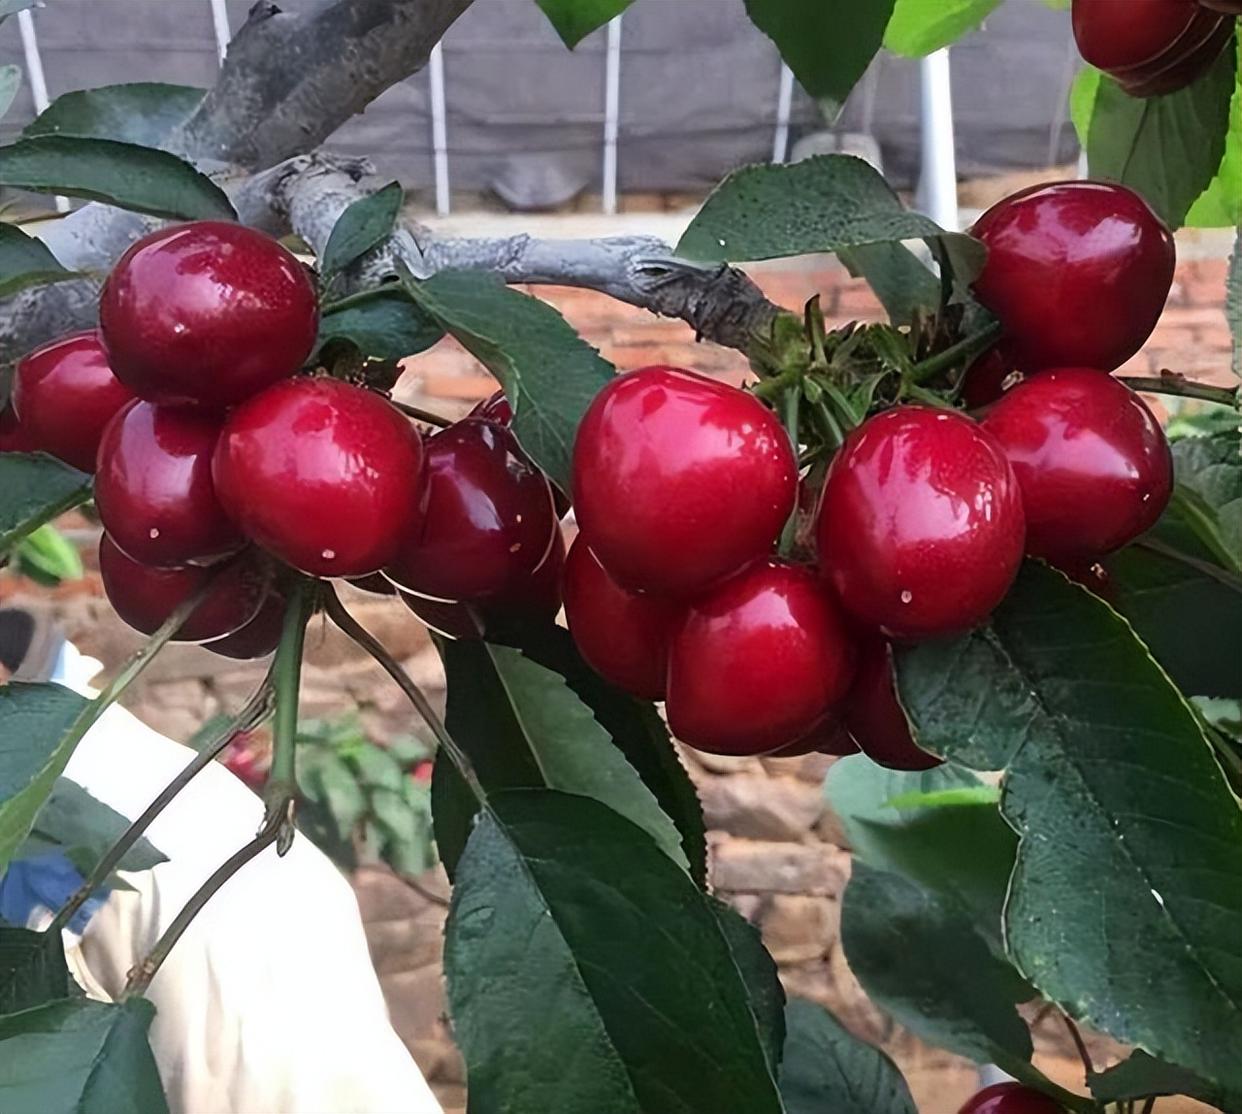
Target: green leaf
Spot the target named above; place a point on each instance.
(85, 828)
(896, 276)
(365, 223)
(10, 82)
(549, 373)
(759, 974)
(822, 204)
(20, 254)
(80, 1057)
(1212, 467)
(920, 26)
(32, 969)
(947, 798)
(123, 174)
(522, 726)
(49, 556)
(575, 19)
(1220, 205)
(586, 972)
(827, 43)
(376, 767)
(386, 325)
(1167, 148)
(12, 7)
(34, 488)
(142, 113)
(1120, 807)
(827, 1068)
(1141, 1076)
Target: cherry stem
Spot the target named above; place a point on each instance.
(1171, 383)
(257, 709)
(791, 404)
(961, 352)
(354, 630)
(1079, 1044)
(1149, 1105)
(418, 414)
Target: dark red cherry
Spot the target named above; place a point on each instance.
(984, 380)
(920, 526)
(325, 475)
(489, 520)
(679, 481)
(495, 408)
(153, 487)
(1077, 272)
(13, 435)
(144, 597)
(622, 635)
(875, 718)
(1011, 1098)
(257, 638)
(207, 314)
(64, 394)
(1092, 461)
(758, 662)
(830, 737)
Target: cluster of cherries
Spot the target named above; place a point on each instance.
(682, 484)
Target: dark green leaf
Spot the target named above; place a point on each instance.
(22, 255)
(522, 726)
(828, 1069)
(385, 326)
(32, 969)
(1212, 467)
(33, 489)
(142, 112)
(920, 26)
(1141, 1076)
(822, 204)
(827, 43)
(901, 282)
(575, 19)
(80, 1057)
(12, 7)
(367, 222)
(1120, 807)
(124, 174)
(85, 828)
(10, 82)
(586, 972)
(760, 976)
(549, 373)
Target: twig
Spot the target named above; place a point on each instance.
(423, 892)
(1080, 1045)
(1171, 383)
(1150, 1104)
(421, 415)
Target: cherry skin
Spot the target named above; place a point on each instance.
(1077, 272)
(679, 481)
(64, 394)
(257, 638)
(207, 314)
(1092, 461)
(622, 635)
(759, 662)
(920, 525)
(984, 381)
(144, 597)
(325, 475)
(1011, 1098)
(874, 717)
(496, 408)
(489, 520)
(830, 737)
(13, 435)
(153, 487)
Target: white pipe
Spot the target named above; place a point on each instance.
(612, 113)
(784, 102)
(439, 130)
(220, 24)
(38, 82)
(938, 180)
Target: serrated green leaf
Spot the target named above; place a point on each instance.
(822, 204)
(365, 223)
(549, 373)
(759, 975)
(142, 112)
(827, 1068)
(10, 82)
(1119, 805)
(1212, 468)
(919, 27)
(1220, 205)
(85, 828)
(898, 279)
(384, 326)
(20, 253)
(122, 174)
(574, 20)
(32, 969)
(35, 488)
(1142, 1076)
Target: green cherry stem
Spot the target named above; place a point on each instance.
(791, 406)
(1171, 383)
(420, 415)
(959, 353)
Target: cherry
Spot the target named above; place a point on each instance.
(325, 475)
(984, 381)
(622, 635)
(489, 520)
(154, 491)
(757, 663)
(14, 437)
(496, 408)
(1077, 272)
(1011, 1098)
(1092, 461)
(257, 638)
(679, 481)
(377, 584)
(876, 719)
(207, 314)
(144, 597)
(830, 737)
(64, 394)
(920, 525)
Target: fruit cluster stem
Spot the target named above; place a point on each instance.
(1170, 383)
(961, 352)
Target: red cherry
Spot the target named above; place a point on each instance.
(153, 487)
(1078, 273)
(144, 597)
(495, 408)
(325, 475)
(622, 635)
(14, 438)
(875, 718)
(920, 525)
(1092, 461)
(1011, 1098)
(984, 381)
(830, 737)
(679, 481)
(377, 584)
(207, 314)
(489, 520)
(758, 662)
(64, 394)
(257, 638)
